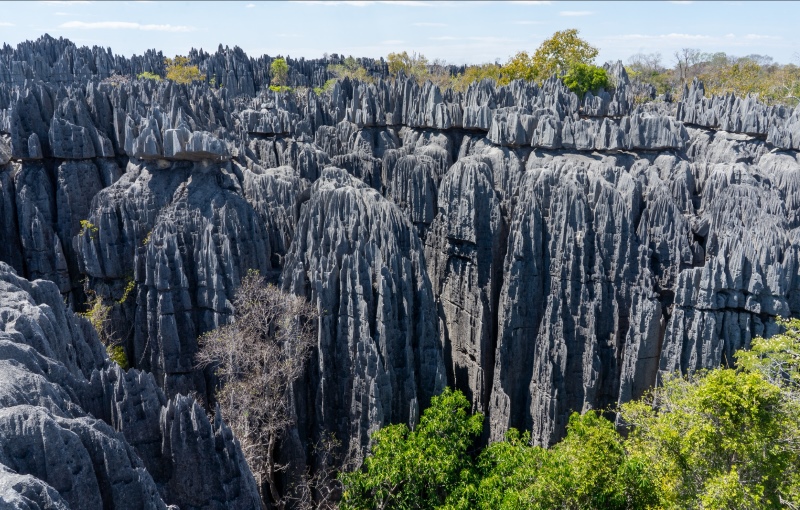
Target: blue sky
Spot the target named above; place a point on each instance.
(459, 32)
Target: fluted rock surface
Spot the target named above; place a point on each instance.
(566, 317)
(78, 432)
(378, 359)
(464, 251)
(184, 235)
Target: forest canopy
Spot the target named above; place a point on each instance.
(716, 439)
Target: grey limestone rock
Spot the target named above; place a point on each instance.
(565, 319)
(464, 251)
(360, 262)
(79, 432)
(276, 194)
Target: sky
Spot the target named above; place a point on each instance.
(458, 32)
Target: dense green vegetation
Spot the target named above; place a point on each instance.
(718, 439)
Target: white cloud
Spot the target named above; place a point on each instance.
(426, 24)
(6, 24)
(393, 41)
(125, 25)
(575, 13)
(61, 14)
(250, 6)
(759, 36)
(444, 38)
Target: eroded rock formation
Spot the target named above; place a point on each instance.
(541, 252)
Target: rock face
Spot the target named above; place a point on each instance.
(464, 251)
(78, 432)
(379, 359)
(543, 253)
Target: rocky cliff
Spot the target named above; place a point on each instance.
(544, 253)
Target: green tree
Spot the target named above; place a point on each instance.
(589, 469)
(413, 66)
(556, 55)
(715, 439)
(279, 71)
(477, 73)
(179, 70)
(582, 78)
(350, 68)
(416, 468)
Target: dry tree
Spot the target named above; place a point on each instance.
(257, 358)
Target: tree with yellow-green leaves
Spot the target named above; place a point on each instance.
(179, 70)
(279, 71)
(413, 66)
(556, 55)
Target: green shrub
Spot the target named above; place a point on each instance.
(279, 88)
(179, 70)
(129, 287)
(148, 76)
(87, 227)
(716, 439)
(582, 78)
(279, 71)
(117, 354)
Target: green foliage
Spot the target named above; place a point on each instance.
(88, 228)
(97, 315)
(349, 69)
(719, 439)
(477, 73)
(582, 78)
(117, 354)
(413, 66)
(416, 468)
(129, 287)
(727, 437)
(179, 70)
(148, 76)
(556, 55)
(279, 88)
(279, 71)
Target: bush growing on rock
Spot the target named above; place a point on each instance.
(279, 72)
(148, 76)
(556, 55)
(179, 70)
(582, 78)
(350, 68)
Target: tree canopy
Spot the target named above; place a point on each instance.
(716, 439)
(179, 70)
(279, 71)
